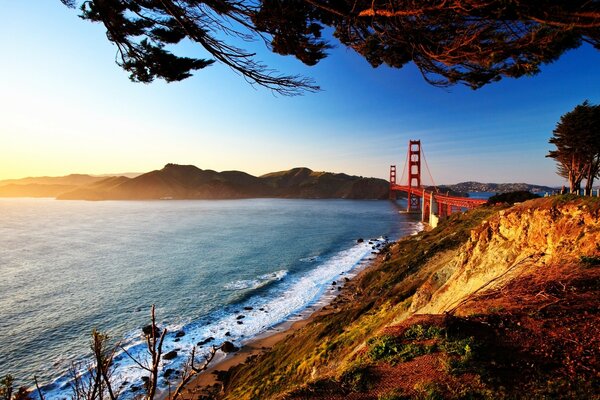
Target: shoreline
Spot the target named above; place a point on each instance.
(208, 381)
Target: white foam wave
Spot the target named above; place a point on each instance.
(310, 259)
(258, 282)
(419, 226)
(255, 316)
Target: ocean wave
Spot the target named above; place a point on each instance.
(258, 282)
(311, 259)
(237, 323)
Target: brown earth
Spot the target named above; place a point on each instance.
(496, 303)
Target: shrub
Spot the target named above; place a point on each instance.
(357, 378)
(390, 348)
(419, 332)
(394, 394)
(590, 261)
(512, 197)
(461, 355)
(429, 391)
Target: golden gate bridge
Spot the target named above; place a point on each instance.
(432, 204)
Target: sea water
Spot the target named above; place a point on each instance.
(67, 267)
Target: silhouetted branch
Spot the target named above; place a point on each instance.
(191, 370)
(37, 388)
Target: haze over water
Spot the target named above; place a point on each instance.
(69, 266)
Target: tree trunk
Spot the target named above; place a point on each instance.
(591, 174)
(589, 184)
(574, 183)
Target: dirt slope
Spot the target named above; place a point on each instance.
(497, 303)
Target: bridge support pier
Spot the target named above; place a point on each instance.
(434, 218)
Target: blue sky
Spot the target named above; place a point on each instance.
(67, 107)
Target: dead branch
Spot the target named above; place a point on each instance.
(191, 370)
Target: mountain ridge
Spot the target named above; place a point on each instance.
(176, 181)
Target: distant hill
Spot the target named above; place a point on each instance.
(305, 183)
(70, 180)
(190, 182)
(33, 190)
(94, 191)
(465, 187)
(44, 186)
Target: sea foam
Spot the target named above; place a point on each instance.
(238, 324)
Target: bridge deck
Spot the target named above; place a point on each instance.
(454, 201)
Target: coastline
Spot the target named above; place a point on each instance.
(208, 382)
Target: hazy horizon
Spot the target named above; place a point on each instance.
(77, 111)
(134, 174)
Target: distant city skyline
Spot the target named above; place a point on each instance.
(66, 107)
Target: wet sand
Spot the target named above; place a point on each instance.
(207, 381)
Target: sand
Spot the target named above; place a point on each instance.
(207, 381)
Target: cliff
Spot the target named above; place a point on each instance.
(494, 303)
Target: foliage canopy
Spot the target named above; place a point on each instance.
(473, 42)
(577, 141)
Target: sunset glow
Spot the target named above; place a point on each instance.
(67, 108)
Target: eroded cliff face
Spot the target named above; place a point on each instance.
(493, 303)
(515, 241)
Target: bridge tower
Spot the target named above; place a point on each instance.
(414, 174)
(392, 182)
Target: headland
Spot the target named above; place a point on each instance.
(496, 302)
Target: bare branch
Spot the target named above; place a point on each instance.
(191, 370)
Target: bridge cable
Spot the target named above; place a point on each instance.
(428, 170)
(400, 182)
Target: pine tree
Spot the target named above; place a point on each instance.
(474, 42)
(577, 141)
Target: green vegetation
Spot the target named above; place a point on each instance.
(357, 378)
(429, 391)
(394, 394)
(381, 295)
(590, 261)
(578, 146)
(390, 348)
(461, 355)
(494, 353)
(419, 332)
(448, 42)
(512, 197)
(395, 349)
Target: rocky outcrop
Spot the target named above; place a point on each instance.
(506, 245)
(493, 303)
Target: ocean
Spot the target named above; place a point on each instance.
(67, 267)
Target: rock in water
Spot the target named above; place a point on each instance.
(147, 330)
(203, 342)
(228, 347)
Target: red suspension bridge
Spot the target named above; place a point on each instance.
(432, 204)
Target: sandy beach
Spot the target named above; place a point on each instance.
(207, 382)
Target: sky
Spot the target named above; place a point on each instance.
(66, 107)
